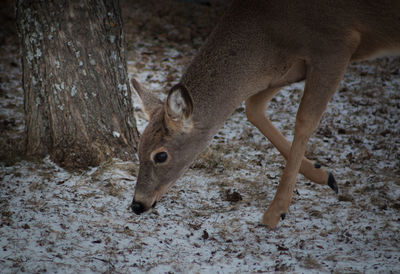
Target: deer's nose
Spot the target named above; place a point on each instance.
(138, 208)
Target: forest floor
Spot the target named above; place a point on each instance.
(56, 221)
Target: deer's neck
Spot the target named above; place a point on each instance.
(229, 68)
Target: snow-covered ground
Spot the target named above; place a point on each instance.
(57, 221)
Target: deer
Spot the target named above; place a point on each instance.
(258, 47)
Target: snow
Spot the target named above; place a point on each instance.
(58, 221)
(116, 134)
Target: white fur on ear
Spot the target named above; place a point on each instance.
(179, 105)
(179, 108)
(176, 105)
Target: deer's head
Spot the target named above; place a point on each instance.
(167, 146)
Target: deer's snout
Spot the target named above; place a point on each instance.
(137, 207)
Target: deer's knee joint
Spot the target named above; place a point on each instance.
(302, 127)
(306, 124)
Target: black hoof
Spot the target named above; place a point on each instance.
(332, 183)
(283, 216)
(317, 165)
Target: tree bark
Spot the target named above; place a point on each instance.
(78, 102)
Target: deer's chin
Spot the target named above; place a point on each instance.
(160, 192)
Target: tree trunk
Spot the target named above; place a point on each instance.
(78, 102)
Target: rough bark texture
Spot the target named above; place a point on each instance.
(78, 101)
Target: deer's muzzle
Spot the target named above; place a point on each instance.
(138, 208)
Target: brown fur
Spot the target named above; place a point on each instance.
(258, 47)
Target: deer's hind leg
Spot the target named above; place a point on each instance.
(255, 110)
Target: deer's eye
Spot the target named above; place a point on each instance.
(160, 157)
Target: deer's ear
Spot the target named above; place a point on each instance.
(179, 104)
(149, 101)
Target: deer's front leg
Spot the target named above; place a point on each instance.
(321, 84)
(279, 206)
